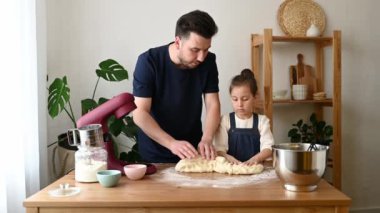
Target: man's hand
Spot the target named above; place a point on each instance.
(183, 149)
(212, 121)
(207, 150)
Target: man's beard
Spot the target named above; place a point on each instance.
(186, 65)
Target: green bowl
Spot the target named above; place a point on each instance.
(108, 178)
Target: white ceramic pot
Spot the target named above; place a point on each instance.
(299, 91)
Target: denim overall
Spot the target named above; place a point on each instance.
(243, 143)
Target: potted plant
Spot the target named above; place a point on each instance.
(318, 132)
(301, 164)
(59, 101)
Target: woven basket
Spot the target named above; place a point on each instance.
(296, 16)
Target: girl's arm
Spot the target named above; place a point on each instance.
(266, 142)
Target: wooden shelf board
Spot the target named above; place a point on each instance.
(327, 101)
(257, 40)
(301, 39)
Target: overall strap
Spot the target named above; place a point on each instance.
(255, 121)
(232, 120)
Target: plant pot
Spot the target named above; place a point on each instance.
(298, 168)
(65, 155)
(64, 143)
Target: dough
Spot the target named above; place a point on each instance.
(220, 165)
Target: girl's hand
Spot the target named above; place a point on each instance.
(183, 149)
(251, 161)
(231, 159)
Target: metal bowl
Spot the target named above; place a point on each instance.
(298, 168)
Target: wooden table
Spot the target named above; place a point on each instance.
(150, 195)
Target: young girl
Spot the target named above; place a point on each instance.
(244, 136)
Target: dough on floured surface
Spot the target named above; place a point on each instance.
(220, 165)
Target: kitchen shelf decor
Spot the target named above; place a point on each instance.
(295, 17)
(263, 43)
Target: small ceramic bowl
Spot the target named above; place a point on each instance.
(135, 171)
(108, 178)
(279, 94)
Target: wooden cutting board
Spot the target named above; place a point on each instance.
(303, 74)
(310, 80)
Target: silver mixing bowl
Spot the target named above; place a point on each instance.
(298, 168)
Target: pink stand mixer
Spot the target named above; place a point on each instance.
(119, 106)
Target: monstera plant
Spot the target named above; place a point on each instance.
(59, 101)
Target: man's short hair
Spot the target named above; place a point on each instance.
(198, 22)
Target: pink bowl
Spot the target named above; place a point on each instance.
(135, 171)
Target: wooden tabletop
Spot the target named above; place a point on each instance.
(149, 192)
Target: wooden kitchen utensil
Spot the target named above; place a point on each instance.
(310, 80)
(303, 74)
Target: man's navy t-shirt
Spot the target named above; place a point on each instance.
(176, 99)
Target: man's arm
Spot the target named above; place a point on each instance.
(143, 119)
(212, 121)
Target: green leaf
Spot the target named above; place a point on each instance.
(132, 156)
(318, 132)
(320, 126)
(292, 132)
(329, 130)
(123, 156)
(130, 130)
(111, 70)
(88, 105)
(311, 138)
(299, 123)
(59, 95)
(102, 100)
(296, 138)
(304, 127)
(313, 118)
(115, 125)
(305, 139)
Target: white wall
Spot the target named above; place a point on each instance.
(82, 33)
(42, 102)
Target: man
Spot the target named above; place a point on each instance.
(169, 83)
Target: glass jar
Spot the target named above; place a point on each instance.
(88, 161)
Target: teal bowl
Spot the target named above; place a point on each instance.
(108, 178)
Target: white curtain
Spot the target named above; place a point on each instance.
(19, 151)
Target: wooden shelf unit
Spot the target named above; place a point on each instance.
(264, 43)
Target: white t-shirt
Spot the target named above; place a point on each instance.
(221, 136)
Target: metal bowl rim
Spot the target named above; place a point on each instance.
(283, 147)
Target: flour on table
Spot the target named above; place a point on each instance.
(220, 165)
(215, 180)
(213, 173)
